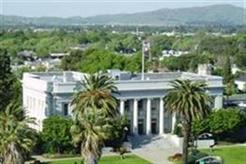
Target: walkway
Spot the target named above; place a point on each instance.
(155, 149)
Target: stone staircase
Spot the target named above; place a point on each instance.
(155, 149)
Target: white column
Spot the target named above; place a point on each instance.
(135, 117)
(161, 116)
(173, 121)
(122, 107)
(218, 102)
(148, 117)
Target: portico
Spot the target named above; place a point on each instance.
(146, 116)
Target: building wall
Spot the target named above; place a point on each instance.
(240, 85)
(43, 99)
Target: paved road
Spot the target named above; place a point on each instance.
(155, 149)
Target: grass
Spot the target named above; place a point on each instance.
(130, 159)
(230, 155)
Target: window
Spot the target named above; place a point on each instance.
(65, 109)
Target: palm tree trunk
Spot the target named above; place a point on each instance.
(13, 156)
(187, 130)
(90, 159)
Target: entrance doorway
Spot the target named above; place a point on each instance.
(140, 127)
(154, 126)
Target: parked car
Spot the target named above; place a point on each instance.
(210, 160)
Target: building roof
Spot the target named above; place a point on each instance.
(61, 77)
(69, 76)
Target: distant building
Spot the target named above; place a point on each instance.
(241, 82)
(204, 69)
(26, 55)
(81, 47)
(51, 93)
(235, 69)
(170, 53)
(58, 55)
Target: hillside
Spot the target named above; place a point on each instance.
(226, 15)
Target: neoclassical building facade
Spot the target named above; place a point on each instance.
(140, 98)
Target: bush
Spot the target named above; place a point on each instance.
(176, 157)
(56, 137)
(195, 155)
(178, 129)
(57, 156)
(117, 132)
(220, 123)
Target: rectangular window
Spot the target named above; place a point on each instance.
(65, 109)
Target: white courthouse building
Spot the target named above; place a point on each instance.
(51, 93)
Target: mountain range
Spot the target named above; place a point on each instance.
(226, 15)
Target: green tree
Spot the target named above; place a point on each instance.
(7, 79)
(221, 123)
(226, 121)
(189, 101)
(227, 74)
(94, 107)
(56, 135)
(17, 138)
(97, 93)
(117, 134)
(228, 77)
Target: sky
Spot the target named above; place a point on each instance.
(85, 8)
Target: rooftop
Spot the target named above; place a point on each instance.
(61, 77)
(70, 76)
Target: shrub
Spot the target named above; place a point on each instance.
(178, 129)
(56, 137)
(117, 132)
(226, 121)
(195, 155)
(220, 123)
(176, 157)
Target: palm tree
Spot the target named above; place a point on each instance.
(89, 132)
(189, 100)
(97, 93)
(17, 138)
(94, 106)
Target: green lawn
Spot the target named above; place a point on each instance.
(130, 159)
(231, 155)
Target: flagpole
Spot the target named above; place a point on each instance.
(142, 75)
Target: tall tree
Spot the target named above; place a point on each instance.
(228, 77)
(227, 74)
(97, 93)
(17, 138)
(189, 101)
(7, 89)
(94, 106)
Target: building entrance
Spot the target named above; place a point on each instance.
(153, 126)
(140, 127)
